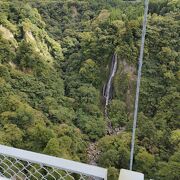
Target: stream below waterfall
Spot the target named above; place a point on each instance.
(93, 151)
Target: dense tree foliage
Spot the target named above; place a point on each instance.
(55, 59)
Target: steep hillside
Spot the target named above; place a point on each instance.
(55, 58)
(34, 111)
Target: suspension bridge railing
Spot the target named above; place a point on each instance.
(17, 164)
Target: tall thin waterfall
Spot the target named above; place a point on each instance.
(108, 88)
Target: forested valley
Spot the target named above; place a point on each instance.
(55, 58)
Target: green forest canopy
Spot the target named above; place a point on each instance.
(54, 62)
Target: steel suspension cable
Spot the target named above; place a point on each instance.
(138, 83)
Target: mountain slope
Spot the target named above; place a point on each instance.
(55, 59)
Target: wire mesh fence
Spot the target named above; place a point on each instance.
(22, 168)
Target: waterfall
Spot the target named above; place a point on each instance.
(107, 91)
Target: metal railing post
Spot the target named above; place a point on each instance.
(138, 83)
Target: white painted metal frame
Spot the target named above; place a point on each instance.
(54, 162)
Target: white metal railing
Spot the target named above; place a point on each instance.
(130, 175)
(18, 164)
